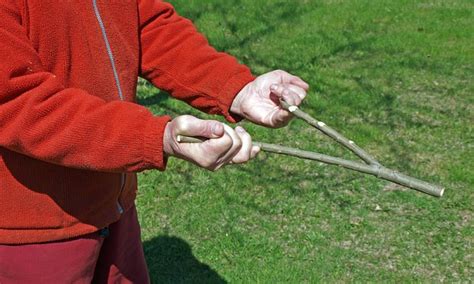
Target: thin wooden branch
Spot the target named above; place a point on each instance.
(321, 126)
(374, 169)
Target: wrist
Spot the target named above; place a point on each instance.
(153, 154)
(236, 107)
(168, 140)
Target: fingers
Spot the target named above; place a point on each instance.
(292, 79)
(261, 105)
(292, 90)
(233, 146)
(241, 149)
(209, 154)
(293, 95)
(248, 150)
(191, 126)
(297, 90)
(299, 82)
(245, 152)
(255, 151)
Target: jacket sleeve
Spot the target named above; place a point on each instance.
(178, 59)
(44, 120)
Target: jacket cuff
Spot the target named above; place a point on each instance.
(154, 156)
(230, 90)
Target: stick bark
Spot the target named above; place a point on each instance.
(374, 169)
(321, 126)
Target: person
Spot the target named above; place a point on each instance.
(72, 139)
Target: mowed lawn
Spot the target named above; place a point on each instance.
(394, 76)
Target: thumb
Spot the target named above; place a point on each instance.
(195, 127)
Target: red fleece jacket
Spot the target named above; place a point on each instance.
(71, 136)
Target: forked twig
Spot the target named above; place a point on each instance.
(371, 167)
(336, 136)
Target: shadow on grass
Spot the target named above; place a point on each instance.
(155, 99)
(170, 260)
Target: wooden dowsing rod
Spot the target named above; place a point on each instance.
(371, 166)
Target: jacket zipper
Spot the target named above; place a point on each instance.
(117, 83)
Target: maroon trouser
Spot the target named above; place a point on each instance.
(96, 258)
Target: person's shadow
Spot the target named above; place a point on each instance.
(170, 260)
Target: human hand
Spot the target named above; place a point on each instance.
(225, 145)
(259, 100)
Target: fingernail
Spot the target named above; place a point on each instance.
(240, 129)
(216, 129)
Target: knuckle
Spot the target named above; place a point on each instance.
(185, 122)
(238, 144)
(181, 125)
(299, 91)
(208, 127)
(227, 142)
(236, 147)
(246, 137)
(298, 100)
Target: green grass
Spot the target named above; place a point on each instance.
(396, 77)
